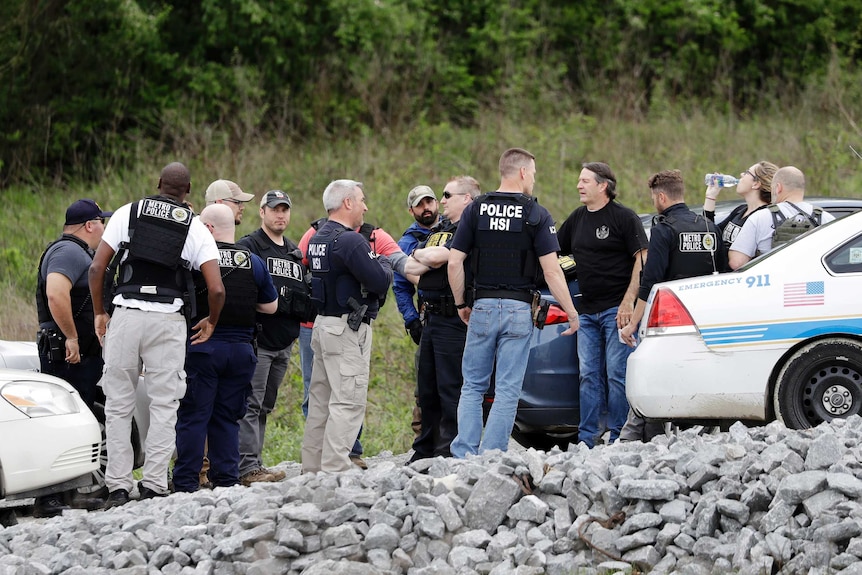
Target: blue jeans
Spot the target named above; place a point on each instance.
(306, 360)
(500, 330)
(602, 363)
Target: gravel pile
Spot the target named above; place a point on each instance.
(753, 500)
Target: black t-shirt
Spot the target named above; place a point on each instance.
(603, 244)
(278, 330)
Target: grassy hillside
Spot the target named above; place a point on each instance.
(390, 164)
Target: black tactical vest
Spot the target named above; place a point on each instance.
(237, 275)
(154, 269)
(435, 282)
(695, 246)
(292, 281)
(503, 255)
(82, 307)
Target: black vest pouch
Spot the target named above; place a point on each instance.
(160, 233)
(154, 269)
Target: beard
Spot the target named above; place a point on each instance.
(427, 218)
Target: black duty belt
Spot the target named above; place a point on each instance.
(517, 295)
(440, 306)
(365, 319)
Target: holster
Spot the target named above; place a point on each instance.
(52, 345)
(355, 317)
(539, 310)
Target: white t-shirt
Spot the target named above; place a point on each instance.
(755, 237)
(200, 247)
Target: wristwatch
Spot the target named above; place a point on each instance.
(461, 305)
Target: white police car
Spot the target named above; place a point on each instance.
(48, 436)
(780, 338)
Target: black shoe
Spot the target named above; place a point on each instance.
(49, 506)
(116, 498)
(88, 501)
(147, 493)
(8, 518)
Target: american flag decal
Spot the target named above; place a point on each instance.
(804, 293)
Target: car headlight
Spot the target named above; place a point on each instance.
(39, 398)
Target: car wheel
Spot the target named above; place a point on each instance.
(542, 441)
(821, 381)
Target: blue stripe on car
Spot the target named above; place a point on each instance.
(726, 335)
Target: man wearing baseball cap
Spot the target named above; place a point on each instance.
(422, 205)
(228, 193)
(67, 343)
(278, 331)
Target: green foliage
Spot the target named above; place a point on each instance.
(86, 84)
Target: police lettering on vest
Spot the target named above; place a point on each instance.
(506, 259)
(501, 217)
(696, 240)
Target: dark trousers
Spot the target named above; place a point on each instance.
(83, 376)
(219, 381)
(439, 384)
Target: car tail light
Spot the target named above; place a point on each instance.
(668, 315)
(556, 315)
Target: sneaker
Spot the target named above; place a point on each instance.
(147, 493)
(49, 506)
(116, 498)
(259, 475)
(358, 462)
(277, 474)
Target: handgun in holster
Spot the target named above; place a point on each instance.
(540, 309)
(355, 317)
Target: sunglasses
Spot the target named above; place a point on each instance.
(448, 195)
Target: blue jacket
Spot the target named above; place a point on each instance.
(404, 290)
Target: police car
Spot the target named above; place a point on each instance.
(48, 436)
(779, 339)
(38, 433)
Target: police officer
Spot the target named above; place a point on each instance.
(278, 331)
(220, 370)
(422, 205)
(157, 240)
(441, 349)
(67, 342)
(348, 278)
(498, 230)
(682, 244)
(381, 243)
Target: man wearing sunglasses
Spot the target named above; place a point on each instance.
(68, 347)
(441, 350)
(228, 193)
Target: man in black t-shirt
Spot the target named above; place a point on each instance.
(608, 244)
(277, 331)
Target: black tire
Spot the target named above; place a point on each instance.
(542, 441)
(820, 382)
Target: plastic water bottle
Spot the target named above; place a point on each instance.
(720, 180)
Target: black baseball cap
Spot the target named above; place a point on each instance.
(83, 211)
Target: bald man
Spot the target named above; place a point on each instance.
(788, 216)
(220, 370)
